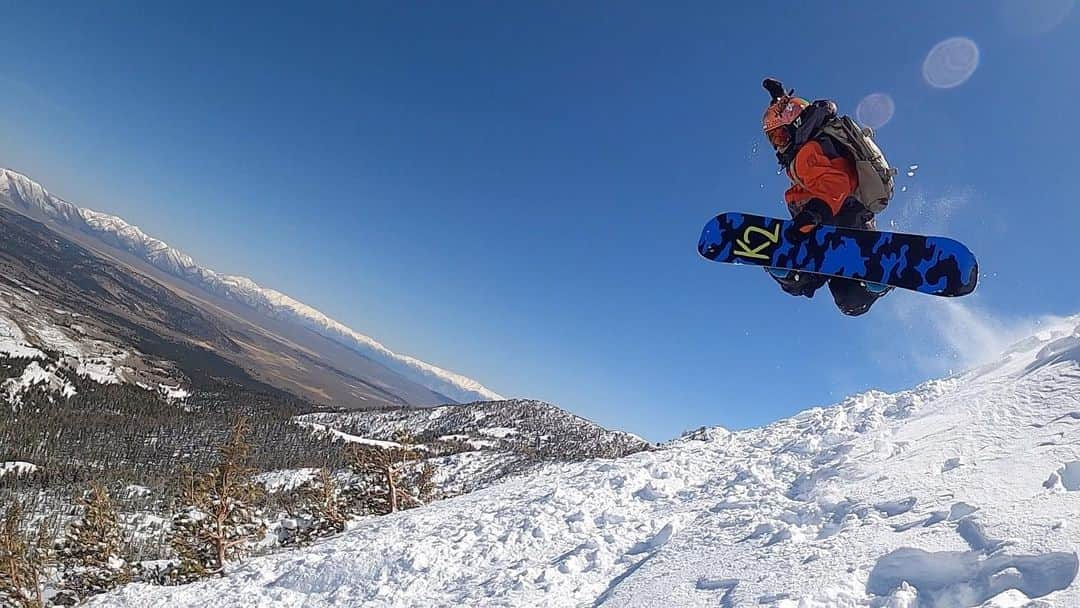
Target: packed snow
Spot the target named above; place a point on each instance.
(958, 493)
(28, 194)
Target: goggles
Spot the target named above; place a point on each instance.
(780, 137)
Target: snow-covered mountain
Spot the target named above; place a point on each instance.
(490, 440)
(26, 195)
(962, 492)
(517, 425)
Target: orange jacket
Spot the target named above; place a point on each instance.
(814, 175)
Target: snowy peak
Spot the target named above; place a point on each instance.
(31, 195)
(27, 195)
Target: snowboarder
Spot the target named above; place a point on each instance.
(824, 183)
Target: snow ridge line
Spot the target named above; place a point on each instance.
(114, 231)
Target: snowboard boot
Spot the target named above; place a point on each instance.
(855, 298)
(797, 283)
(782, 274)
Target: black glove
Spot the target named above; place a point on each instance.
(814, 213)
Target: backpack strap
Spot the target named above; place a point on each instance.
(810, 121)
(806, 128)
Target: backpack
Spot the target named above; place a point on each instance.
(857, 143)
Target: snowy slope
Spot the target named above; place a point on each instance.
(26, 333)
(513, 425)
(960, 492)
(28, 195)
(496, 439)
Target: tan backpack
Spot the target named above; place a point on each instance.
(875, 175)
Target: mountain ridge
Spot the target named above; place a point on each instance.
(25, 194)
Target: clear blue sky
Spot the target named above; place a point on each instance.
(514, 191)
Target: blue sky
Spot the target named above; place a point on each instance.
(514, 191)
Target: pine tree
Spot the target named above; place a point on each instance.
(424, 486)
(24, 561)
(390, 480)
(218, 522)
(322, 507)
(91, 552)
(416, 483)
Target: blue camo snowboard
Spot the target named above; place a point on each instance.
(928, 264)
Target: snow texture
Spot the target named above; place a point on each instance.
(13, 342)
(28, 194)
(286, 479)
(844, 506)
(17, 468)
(173, 393)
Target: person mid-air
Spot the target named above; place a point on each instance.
(824, 182)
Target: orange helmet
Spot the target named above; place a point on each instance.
(783, 112)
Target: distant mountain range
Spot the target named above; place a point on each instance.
(278, 315)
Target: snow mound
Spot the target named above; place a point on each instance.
(845, 506)
(28, 194)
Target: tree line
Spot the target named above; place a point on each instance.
(220, 515)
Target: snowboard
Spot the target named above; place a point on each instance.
(933, 265)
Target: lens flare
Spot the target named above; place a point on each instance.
(875, 110)
(951, 62)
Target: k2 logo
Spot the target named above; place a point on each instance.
(767, 240)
